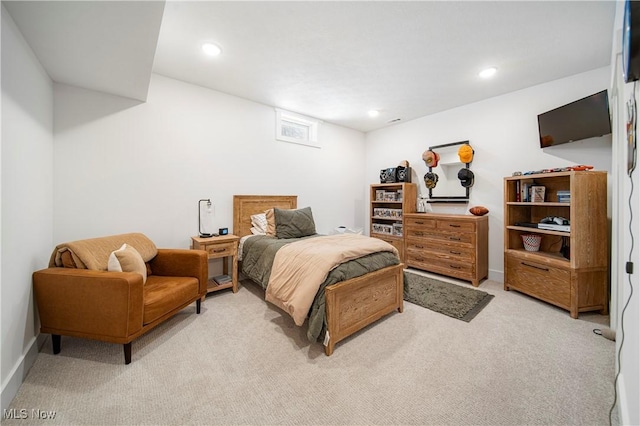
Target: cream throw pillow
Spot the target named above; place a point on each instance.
(259, 221)
(271, 222)
(127, 259)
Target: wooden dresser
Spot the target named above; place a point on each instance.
(448, 244)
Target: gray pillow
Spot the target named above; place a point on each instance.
(294, 223)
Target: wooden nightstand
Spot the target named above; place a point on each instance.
(226, 247)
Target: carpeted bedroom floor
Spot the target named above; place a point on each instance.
(241, 361)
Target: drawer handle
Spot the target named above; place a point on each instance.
(419, 259)
(454, 252)
(420, 247)
(454, 226)
(420, 234)
(420, 223)
(534, 266)
(454, 267)
(218, 250)
(454, 238)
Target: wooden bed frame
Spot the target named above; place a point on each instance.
(350, 305)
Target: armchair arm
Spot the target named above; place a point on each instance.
(100, 305)
(182, 263)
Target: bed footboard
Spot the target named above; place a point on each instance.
(356, 303)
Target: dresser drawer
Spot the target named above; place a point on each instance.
(443, 250)
(420, 223)
(458, 269)
(436, 237)
(220, 250)
(447, 225)
(542, 281)
(441, 263)
(455, 226)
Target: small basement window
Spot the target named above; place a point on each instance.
(296, 128)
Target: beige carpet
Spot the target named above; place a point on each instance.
(241, 361)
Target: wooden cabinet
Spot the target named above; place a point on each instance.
(448, 244)
(570, 268)
(390, 202)
(226, 248)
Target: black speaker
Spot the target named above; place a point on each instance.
(391, 175)
(403, 174)
(631, 41)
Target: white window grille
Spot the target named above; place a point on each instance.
(296, 128)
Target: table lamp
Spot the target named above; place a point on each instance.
(205, 221)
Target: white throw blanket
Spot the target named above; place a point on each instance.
(301, 267)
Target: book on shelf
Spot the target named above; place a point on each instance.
(523, 190)
(222, 279)
(564, 196)
(537, 193)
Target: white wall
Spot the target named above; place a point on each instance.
(626, 226)
(27, 200)
(503, 131)
(124, 166)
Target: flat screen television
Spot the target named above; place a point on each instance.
(582, 119)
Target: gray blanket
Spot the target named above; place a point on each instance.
(257, 257)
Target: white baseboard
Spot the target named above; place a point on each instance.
(624, 411)
(14, 381)
(493, 275)
(496, 275)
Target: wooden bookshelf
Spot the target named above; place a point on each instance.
(575, 278)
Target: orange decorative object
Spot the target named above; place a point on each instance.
(478, 210)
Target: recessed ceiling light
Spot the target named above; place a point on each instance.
(489, 72)
(211, 49)
(374, 113)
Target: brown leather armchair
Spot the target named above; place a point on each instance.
(77, 296)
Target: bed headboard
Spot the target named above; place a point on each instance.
(246, 205)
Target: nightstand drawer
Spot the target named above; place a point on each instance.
(220, 250)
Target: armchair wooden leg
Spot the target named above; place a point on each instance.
(127, 353)
(198, 303)
(55, 339)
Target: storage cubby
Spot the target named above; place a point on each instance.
(389, 203)
(576, 277)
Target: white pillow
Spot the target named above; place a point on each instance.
(259, 221)
(256, 231)
(127, 259)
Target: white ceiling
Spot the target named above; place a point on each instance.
(100, 45)
(329, 60)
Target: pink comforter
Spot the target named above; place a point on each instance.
(301, 267)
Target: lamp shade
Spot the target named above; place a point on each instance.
(205, 218)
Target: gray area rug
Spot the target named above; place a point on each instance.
(446, 298)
